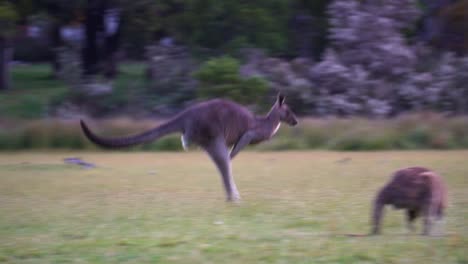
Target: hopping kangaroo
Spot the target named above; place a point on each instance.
(416, 189)
(214, 125)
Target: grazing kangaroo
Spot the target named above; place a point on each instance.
(214, 125)
(416, 189)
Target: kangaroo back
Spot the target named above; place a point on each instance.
(171, 126)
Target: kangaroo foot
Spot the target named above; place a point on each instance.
(234, 198)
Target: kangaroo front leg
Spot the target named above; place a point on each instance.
(427, 225)
(219, 154)
(377, 215)
(411, 215)
(243, 141)
(427, 216)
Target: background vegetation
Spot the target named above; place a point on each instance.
(405, 132)
(333, 57)
(142, 59)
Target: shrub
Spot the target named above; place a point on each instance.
(354, 134)
(171, 143)
(29, 107)
(226, 25)
(220, 77)
(8, 141)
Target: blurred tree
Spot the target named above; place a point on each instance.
(445, 24)
(100, 19)
(283, 27)
(8, 19)
(61, 13)
(147, 21)
(308, 28)
(13, 16)
(454, 35)
(102, 28)
(93, 30)
(220, 78)
(112, 32)
(231, 24)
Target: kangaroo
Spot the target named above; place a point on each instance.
(214, 125)
(416, 189)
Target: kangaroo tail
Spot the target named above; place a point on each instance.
(150, 135)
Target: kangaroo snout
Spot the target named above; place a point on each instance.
(291, 121)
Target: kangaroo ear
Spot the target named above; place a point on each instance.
(280, 99)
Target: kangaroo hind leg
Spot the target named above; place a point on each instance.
(218, 152)
(411, 215)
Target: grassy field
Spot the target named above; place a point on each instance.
(298, 207)
(34, 89)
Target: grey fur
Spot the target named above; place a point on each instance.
(215, 125)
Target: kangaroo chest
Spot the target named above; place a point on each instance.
(262, 134)
(275, 129)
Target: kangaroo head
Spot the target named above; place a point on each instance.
(285, 113)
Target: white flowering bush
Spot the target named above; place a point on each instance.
(370, 67)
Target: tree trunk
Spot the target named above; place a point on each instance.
(56, 42)
(302, 32)
(93, 26)
(5, 57)
(113, 27)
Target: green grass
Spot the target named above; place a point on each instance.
(34, 89)
(405, 132)
(298, 207)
